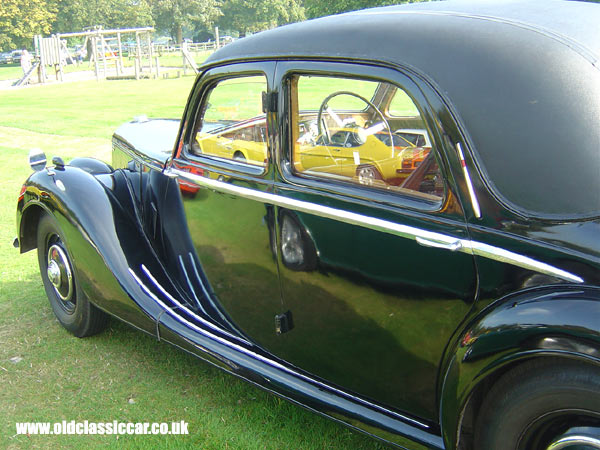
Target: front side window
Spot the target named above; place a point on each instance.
(232, 124)
(363, 132)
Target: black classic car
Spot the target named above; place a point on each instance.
(390, 217)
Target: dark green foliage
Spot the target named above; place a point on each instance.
(318, 8)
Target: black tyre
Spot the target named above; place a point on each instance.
(70, 306)
(538, 405)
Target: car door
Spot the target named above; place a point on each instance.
(226, 141)
(373, 283)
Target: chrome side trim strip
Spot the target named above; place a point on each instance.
(180, 306)
(466, 245)
(258, 357)
(474, 201)
(312, 208)
(505, 256)
(569, 441)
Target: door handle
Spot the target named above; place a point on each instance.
(452, 246)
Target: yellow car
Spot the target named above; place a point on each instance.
(243, 141)
(354, 153)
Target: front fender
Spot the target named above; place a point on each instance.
(104, 235)
(559, 321)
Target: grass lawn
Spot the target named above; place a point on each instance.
(10, 72)
(91, 109)
(47, 375)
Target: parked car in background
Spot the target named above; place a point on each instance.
(16, 56)
(389, 216)
(6, 58)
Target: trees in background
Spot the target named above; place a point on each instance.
(249, 16)
(74, 15)
(319, 8)
(174, 15)
(20, 20)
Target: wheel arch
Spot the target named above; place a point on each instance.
(500, 338)
(242, 152)
(105, 238)
(29, 220)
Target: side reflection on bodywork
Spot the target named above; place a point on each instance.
(363, 299)
(231, 237)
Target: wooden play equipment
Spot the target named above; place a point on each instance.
(105, 50)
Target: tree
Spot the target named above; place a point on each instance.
(174, 15)
(20, 20)
(319, 8)
(256, 15)
(74, 15)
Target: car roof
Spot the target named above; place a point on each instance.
(522, 76)
(572, 23)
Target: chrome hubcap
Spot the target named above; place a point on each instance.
(60, 273)
(575, 442)
(366, 176)
(54, 273)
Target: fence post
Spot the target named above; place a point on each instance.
(95, 56)
(120, 54)
(59, 56)
(138, 56)
(149, 41)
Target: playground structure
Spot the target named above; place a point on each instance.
(104, 48)
(113, 54)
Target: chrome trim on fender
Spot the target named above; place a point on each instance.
(569, 441)
(405, 231)
(189, 282)
(255, 355)
(474, 201)
(182, 307)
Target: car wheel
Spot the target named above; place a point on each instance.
(69, 303)
(297, 249)
(367, 175)
(545, 404)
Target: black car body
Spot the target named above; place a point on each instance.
(404, 305)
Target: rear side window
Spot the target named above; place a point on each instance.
(362, 132)
(232, 125)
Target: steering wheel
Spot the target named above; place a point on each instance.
(322, 127)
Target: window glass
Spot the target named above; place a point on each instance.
(232, 125)
(320, 87)
(402, 105)
(341, 131)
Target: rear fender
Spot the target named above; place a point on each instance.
(553, 321)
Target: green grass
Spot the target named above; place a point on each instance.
(91, 109)
(10, 72)
(120, 374)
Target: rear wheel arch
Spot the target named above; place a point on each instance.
(240, 156)
(481, 392)
(495, 340)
